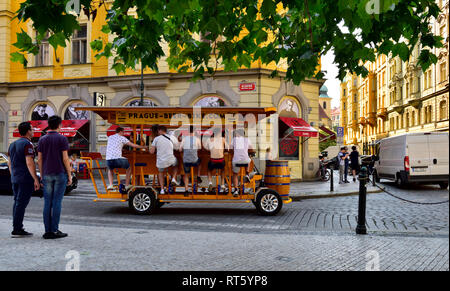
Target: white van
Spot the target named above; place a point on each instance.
(414, 157)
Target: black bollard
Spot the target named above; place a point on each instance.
(331, 180)
(361, 227)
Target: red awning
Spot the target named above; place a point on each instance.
(69, 128)
(128, 130)
(300, 127)
(38, 126)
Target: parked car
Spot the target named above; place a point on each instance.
(414, 157)
(5, 179)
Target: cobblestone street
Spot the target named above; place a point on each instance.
(311, 234)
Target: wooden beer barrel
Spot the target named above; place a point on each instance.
(277, 177)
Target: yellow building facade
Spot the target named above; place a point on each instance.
(397, 97)
(54, 82)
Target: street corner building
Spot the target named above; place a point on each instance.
(55, 82)
(397, 97)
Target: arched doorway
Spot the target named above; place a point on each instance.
(290, 146)
(76, 127)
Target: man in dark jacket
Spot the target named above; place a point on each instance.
(23, 176)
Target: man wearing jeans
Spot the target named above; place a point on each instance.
(23, 176)
(54, 163)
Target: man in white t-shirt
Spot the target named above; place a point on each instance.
(241, 146)
(164, 145)
(114, 159)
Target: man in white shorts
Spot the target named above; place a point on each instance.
(164, 145)
(114, 158)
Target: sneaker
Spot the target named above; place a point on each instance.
(210, 187)
(162, 191)
(199, 180)
(110, 188)
(346, 181)
(21, 233)
(49, 235)
(60, 234)
(174, 183)
(235, 192)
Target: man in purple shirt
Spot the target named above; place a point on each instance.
(54, 163)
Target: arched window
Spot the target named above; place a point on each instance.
(289, 107)
(443, 111)
(137, 102)
(429, 114)
(71, 114)
(210, 101)
(42, 111)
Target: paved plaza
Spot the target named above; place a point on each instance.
(310, 234)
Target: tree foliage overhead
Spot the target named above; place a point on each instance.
(240, 32)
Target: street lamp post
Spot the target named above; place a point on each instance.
(142, 85)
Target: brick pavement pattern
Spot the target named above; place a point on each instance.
(105, 248)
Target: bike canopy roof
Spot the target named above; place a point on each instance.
(174, 116)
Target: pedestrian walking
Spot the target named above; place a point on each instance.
(346, 165)
(342, 157)
(354, 162)
(24, 179)
(54, 164)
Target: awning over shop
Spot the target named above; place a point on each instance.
(38, 126)
(300, 127)
(69, 128)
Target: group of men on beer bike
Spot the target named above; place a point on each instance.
(164, 146)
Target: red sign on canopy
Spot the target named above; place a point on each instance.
(300, 127)
(69, 128)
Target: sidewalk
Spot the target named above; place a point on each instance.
(299, 190)
(320, 189)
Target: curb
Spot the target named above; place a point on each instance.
(303, 197)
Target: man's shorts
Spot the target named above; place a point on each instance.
(117, 164)
(161, 170)
(237, 169)
(187, 166)
(218, 164)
